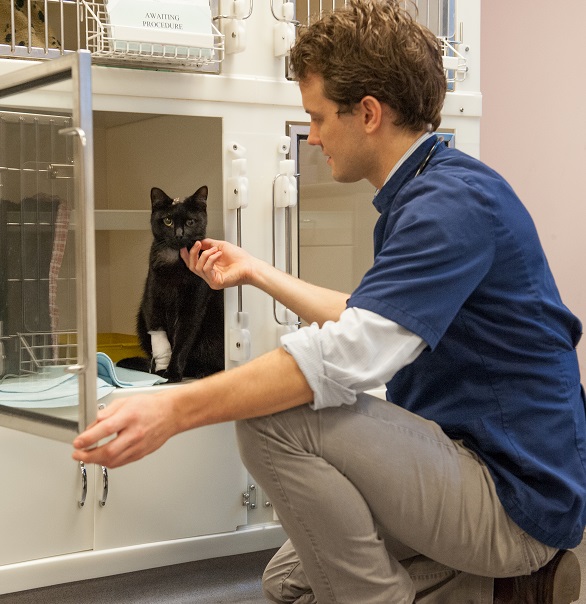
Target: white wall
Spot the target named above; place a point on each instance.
(533, 127)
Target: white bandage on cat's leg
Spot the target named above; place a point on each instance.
(161, 349)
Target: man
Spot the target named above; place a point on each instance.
(475, 468)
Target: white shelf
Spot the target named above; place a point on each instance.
(122, 220)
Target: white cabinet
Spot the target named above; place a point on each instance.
(184, 502)
(39, 511)
(176, 131)
(192, 486)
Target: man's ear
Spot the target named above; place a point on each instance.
(372, 113)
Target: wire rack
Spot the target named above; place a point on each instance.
(39, 351)
(437, 15)
(104, 47)
(69, 25)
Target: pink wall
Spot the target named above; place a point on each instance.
(533, 126)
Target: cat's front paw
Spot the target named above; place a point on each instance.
(172, 378)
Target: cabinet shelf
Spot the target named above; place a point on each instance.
(122, 220)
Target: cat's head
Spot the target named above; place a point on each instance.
(179, 223)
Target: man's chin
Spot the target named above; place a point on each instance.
(345, 178)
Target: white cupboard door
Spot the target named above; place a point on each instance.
(192, 486)
(40, 514)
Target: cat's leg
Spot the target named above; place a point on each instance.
(161, 349)
(187, 329)
(184, 337)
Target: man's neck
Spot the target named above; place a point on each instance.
(414, 145)
(394, 148)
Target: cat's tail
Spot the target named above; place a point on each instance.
(136, 363)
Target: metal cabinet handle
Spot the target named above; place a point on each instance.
(74, 131)
(81, 501)
(105, 486)
(237, 13)
(288, 242)
(285, 18)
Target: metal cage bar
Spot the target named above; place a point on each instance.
(70, 25)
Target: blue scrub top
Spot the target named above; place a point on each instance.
(458, 262)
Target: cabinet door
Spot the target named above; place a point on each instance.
(335, 220)
(47, 275)
(192, 486)
(40, 514)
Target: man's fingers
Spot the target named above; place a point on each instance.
(104, 426)
(113, 454)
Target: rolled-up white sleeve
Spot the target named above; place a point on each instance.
(362, 350)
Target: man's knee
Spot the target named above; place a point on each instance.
(284, 581)
(252, 436)
(272, 440)
(248, 435)
(272, 585)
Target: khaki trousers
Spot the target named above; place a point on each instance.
(381, 507)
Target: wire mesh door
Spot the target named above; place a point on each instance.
(37, 262)
(47, 296)
(437, 15)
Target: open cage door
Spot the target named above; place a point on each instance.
(48, 370)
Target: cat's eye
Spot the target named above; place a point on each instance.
(168, 221)
(190, 222)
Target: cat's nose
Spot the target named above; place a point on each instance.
(179, 233)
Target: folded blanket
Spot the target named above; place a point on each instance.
(57, 388)
(125, 378)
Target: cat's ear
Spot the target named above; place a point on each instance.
(201, 194)
(158, 196)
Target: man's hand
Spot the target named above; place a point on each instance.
(219, 263)
(140, 425)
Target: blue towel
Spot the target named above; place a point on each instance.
(42, 391)
(57, 388)
(125, 378)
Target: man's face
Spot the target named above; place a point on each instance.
(338, 134)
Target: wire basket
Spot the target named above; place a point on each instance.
(109, 49)
(42, 350)
(70, 25)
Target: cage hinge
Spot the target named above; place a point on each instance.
(60, 171)
(249, 497)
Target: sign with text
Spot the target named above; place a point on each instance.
(180, 23)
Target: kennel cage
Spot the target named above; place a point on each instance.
(36, 190)
(47, 29)
(248, 103)
(437, 15)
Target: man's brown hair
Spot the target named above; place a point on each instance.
(376, 48)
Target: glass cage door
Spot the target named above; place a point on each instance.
(335, 221)
(48, 371)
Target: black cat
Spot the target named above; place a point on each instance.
(180, 323)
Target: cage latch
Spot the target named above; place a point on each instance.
(249, 497)
(60, 171)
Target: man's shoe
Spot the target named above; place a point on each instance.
(558, 582)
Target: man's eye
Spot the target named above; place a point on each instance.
(168, 221)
